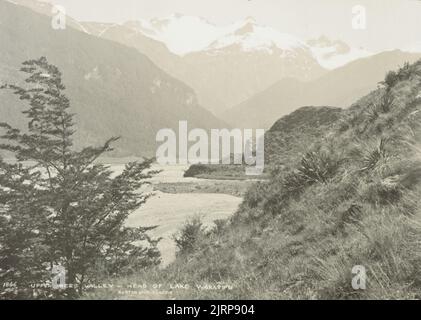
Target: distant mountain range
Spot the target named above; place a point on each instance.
(114, 90)
(332, 54)
(247, 74)
(339, 88)
(184, 35)
(225, 66)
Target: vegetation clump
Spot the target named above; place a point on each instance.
(59, 208)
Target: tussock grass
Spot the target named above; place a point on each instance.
(353, 199)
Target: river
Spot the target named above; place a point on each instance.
(170, 211)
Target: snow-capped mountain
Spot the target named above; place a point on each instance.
(332, 54)
(224, 65)
(252, 37)
(181, 34)
(187, 34)
(114, 90)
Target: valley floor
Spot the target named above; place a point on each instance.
(177, 199)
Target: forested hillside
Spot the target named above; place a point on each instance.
(114, 90)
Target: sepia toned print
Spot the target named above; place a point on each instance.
(206, 150)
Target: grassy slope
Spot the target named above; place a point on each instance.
(352, 200)
(293, 135)
(339, 87)
(307, 124)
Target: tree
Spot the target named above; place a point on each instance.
(58, 206)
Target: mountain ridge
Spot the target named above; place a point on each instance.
(332, 89)
(114, 90)
(218, 75)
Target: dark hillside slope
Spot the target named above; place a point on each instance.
(114, 90)
(340, 88)
(295, 133)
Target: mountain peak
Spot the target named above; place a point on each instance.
(183, 34)
(250, 19)
(332, 54)
(177, 15)
(246, 28)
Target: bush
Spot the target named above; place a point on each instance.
(391, 79)
(317, 167)
(198, 169)
(187, 239)
(372, 113)
(386, 103)
(375, 157)
(255, 195)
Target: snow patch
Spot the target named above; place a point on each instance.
(156, 85)
(187, 34)
(328, 58)
(94, 74)
(252, 37)
(332, 54)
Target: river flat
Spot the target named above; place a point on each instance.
(169, 211)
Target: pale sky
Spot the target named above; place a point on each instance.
(390, 23)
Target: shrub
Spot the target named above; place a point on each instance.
(404, 73)
(392, 77)
(189, 235)
(197, 169)
(220, 226)
(255, 195)
(318, 167)
(386, 102)
(375, 158)
(390, 80)
(371, 113)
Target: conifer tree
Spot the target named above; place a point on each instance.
(59, 206)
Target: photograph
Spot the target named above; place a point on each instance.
(217, 156)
